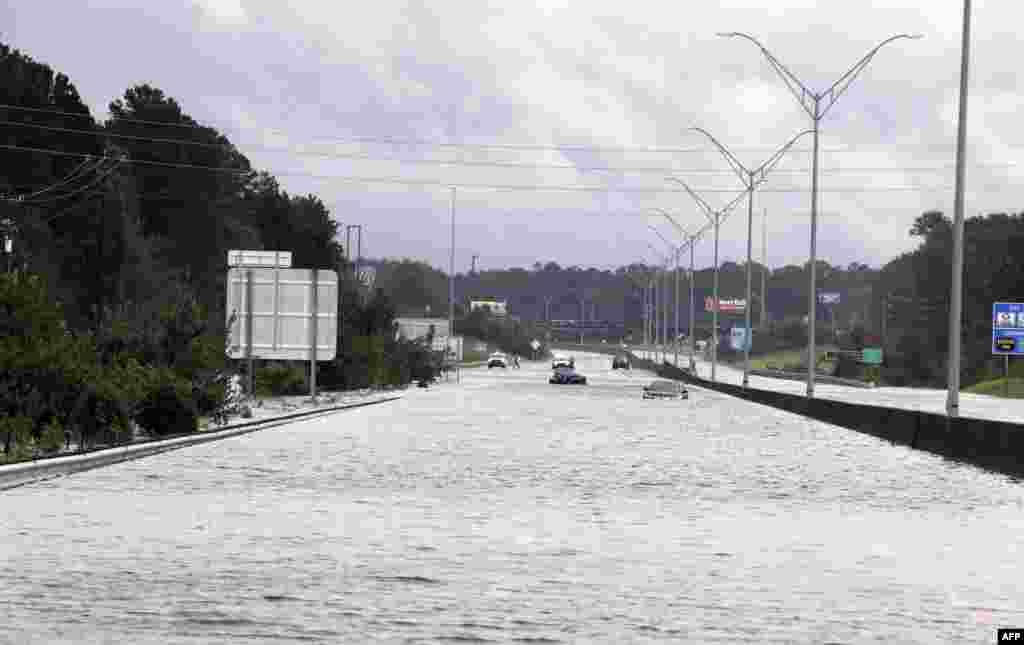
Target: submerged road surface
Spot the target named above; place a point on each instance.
(507, 510)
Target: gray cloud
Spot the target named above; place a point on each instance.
(313, 77)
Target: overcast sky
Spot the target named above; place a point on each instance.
(548, 98)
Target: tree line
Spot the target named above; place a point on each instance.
(902, 306)
(112, 309)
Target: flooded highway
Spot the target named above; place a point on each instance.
(503, 509)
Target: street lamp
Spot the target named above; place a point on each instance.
(451, 292)
(715, 217)
(750, 179)
(674, 249)
(953, 363)
(690, 241)
(659, 299)
(816, 105)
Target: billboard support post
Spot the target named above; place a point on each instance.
(248, 333)
(316, 337)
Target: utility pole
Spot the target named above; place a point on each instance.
(451, 290)
(955, 317)
(473, 270)
(816, 105)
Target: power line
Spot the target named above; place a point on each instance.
(227, 147)
(75, 172)
(96, 180)
(500, 187)
(497, 146)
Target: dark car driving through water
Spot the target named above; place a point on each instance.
(567, 376)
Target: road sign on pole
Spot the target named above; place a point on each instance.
(1008, 328)
(871, 356)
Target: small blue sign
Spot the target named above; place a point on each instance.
(1008, 328)
(740, 339)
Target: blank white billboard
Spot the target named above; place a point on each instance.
(282, 313)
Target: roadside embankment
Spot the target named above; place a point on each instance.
(13, 475)
(802, 376)
(993, 445)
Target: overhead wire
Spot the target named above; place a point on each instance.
(453, 144)
(74, 174)
(229, 147)
(96, 180)
(456, 184)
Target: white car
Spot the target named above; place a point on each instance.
(665, 389)
(497, 359)
(560, 360)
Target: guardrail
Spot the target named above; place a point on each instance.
(26, 472)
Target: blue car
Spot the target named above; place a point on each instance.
(567, 376)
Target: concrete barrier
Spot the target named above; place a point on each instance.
(26, 472)
(997, 446)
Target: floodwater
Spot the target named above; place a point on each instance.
(507, 510)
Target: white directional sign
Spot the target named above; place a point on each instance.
(254, 259)
(282, 322)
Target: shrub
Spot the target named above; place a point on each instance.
(166, 411)
(17, 436)
(51, 439)
(280, 380)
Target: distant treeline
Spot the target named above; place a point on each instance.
(906, 301)
(112, 310)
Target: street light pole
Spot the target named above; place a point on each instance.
(953, 363)
(689, 240)
(659, 298)
(764, 270)
(715, 218)
(675, 339)
(693, 277)
(451, 287)
(671, 247)
(816, 105)
(751, 179)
